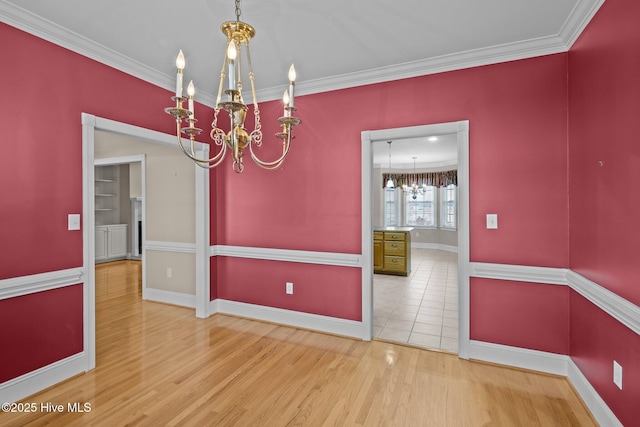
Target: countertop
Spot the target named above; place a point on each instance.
(392, 228)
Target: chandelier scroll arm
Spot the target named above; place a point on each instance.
(287, 122)
(273, 164)
(216, 160)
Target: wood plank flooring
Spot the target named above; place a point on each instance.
(158, 365)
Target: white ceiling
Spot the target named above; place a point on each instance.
(333, 43)
(441, 153)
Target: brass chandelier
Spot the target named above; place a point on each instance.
(414, 189)
(238, 34)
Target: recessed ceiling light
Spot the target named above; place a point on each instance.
(432, 139)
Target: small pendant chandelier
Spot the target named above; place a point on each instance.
(389, 183)
(414, 189)
(238, 34)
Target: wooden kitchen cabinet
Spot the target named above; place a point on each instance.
(392, 250)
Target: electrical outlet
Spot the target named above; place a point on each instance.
(617, 374)
(169, 272)
(289, 288)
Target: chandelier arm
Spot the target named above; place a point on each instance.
(217, 158)
(270, 168)
(276, 163)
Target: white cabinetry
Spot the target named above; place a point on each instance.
(111, 242)
(101, 242)
(107, 194)
(111, 236)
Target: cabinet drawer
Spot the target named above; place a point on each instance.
(378, 235)
(394, 248)
(389, 235)
(395, 263)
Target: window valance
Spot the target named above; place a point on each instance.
(436, 179)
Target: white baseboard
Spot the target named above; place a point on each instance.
(534, 360)
(35, 381)
(169, 297)
(599, 409)
(549, 363)
(296, 319)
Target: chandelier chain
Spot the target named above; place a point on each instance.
(238, 11)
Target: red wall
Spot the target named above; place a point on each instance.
(539, 314)
(318, 289)
(604, 106)
(597, 339)
(45, 90)
(39, 329)
(518, 169)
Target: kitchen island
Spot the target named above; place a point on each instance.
(392, 250)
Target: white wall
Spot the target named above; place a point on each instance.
(170, 209)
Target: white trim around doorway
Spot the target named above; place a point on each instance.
(461, 129)
(90, 124)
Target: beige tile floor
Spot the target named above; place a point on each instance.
(421, 309)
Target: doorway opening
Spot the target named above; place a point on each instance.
(198, 252)
(449, 274)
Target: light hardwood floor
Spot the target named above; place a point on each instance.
(159, 365)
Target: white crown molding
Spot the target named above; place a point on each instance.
(24, 285)
(54, 33)
(578, 20)
(457, 61)
(307, 257)
(572, 28)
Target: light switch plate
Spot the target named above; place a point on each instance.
(617, 374)
(492, 221)
(73, 222)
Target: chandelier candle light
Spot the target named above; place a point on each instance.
(238, 34)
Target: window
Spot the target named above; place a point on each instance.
(390, 207)
(420, 210)
(437, 207)
(448, 202)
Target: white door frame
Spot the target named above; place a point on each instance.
(90, 124)
(461, 129)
